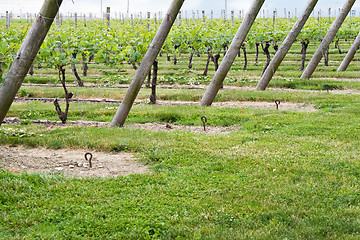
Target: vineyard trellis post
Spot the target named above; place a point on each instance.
(285, 46)
(26, 55)
(149, 58)
(233, 51)
(314, 62)
(350, 55)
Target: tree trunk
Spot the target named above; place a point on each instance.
(27, 52)
(257, 52)
(304, 47)
(85, 65)
(337, 45)
(326, 57)
(207, 64)
(230, 56)
(148, 79)
(267, 53)
(63, 115)
(31, 70)
(153, 84)
(275, 46)
(73, 67)
(285, 46)
(149, 58)
(216, 61)
(327, 40)
(190, 60)
(350, 55)
(243, 47)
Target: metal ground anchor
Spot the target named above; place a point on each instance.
(88, 157)
(277, 102)
(204, 120)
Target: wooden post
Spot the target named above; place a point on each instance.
(285, 46)
(76, 19)
(285, 13)
(148, 20)
(108, 16)
(180, 17)
(212, 15)
(132, 20)
(327, 40)
(204, 18)
(232, 17)
(329, 14)
(274, 17)
(7, 20)
(231, 54)
(145, 66)
(289, 17)
(350, 55)
(26, 55)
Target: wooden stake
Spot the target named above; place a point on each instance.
(350, 55)
(285, 47)
(327, 40)
(231, 54)
(26, 55)
(149, 58)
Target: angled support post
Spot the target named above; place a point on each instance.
(230, 56)
(26, 55)
(327, 40)
(285, 47)
(145, 66)
(350, 55)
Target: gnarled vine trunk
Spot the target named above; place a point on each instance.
(267, 53)
(74, 70)
(304, 46)
(153, 84)
(63, 115)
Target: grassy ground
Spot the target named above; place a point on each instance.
(284, 175)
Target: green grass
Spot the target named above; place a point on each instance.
(284, 175)
(287, 175)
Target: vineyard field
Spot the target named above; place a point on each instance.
(243, 168)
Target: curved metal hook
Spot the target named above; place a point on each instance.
(204, 120)
(88, 157)
(277, 102)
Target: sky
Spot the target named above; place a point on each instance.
(135, 6)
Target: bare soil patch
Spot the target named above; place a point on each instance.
(69, 162)
(284, 106)
(166, 127)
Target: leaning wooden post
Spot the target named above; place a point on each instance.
(149, 58)
(26, 55)
(350, 55)
(327, 40)
(285, 47)
(233, 51)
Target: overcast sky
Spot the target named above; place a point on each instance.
(94, 6)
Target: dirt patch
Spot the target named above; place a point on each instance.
(166, 127)
(284, 106)
(152, 126)
(69, 162)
